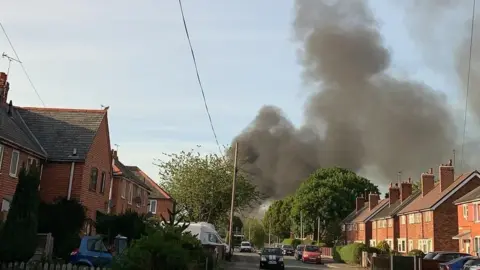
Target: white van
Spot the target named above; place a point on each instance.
(205, 232)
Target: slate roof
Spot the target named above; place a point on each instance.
(14, 130)
(353, 215)
(365, 215)
(434, 196)
(472, 196)
(120, 169)
(392, 209)
(59, 131)
(157, 191)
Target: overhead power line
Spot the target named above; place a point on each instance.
(198, 78)
(468, 84)
(21, 64)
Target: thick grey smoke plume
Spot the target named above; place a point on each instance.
(357, 116)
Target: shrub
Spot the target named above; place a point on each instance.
(372, 250)
(336, 253)
(383, 247)
(18, 238)
(352, 253)
(321, 244)
(416, 252)
(287, 241)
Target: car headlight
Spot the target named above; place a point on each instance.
(280, 259)
(263, 258)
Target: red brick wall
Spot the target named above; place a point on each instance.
(99, 156)
(121, 204)
(162, 206)
(468, 224)
(55, 180)
(380, 234)
(444, 228)
(416, 231)
(8, 184)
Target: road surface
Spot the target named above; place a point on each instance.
(250, 261)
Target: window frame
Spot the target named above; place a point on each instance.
(411, 219)
(427, 216)
(138, 193)
(15, 174)
(30, 161)
(403, 220)
(410, 245)
(154, 202)
(130, 193)
(465, 211)
(124, 189)
(477, 213)
(103, 179)
(374, 225)
(390, 223)
(418, 218)
(476, 243)
(92, 184)
(401, 245)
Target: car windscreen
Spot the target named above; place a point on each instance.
(245, 244)
(271, 251)
(287, 247)
(458, 259)
(312, 249)
(430, 255)
(96, 245)
(473, 262)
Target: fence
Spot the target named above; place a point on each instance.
(45, 266)
(402, 263)
(326, 251)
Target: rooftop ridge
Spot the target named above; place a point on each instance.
(62, 109)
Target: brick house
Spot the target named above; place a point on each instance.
(426, 223)
(159, 199)
(71, 146)
(358, 226)
(468, 212)
(385, 224)
(129, 192)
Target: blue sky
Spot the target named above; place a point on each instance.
(135, 58)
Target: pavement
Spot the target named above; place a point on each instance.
(250, 261)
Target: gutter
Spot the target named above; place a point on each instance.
(70, 182)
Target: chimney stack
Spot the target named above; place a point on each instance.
(359, 203)
(373, 200)
(394, 193)
(114, 153)
(446, 175)
(406, 189)
(4, 87)
(428, 182)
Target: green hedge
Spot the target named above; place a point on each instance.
(292, 242)
(352, 253)
(416, 252)
(336, 253)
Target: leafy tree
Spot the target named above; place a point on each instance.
(202, 185)
(416, 186)
(129, 224)
(18, 238)
(255, 232)
(279, 218)
(328, 194)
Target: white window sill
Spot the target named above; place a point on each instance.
(13, 175)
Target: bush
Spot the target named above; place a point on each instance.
(352, 253)
(336, 250)
(292, 242)
(129, 224)
(383, 247)
(416, 252)
(321, 244)
(18, 238)
(373, 250)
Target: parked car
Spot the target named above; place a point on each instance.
(299, 252)
(287, 250)
(473, 263)
(446, 256)
(455, 264)
(430, 255)
(92, 252)
(245, 246)
(271, 258)
(312, 254)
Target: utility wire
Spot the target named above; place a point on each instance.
(198, 78)
(21, 64)
(468, 83)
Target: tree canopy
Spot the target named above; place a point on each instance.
(278, 217)
(329, 195)
(255, 232)
(202, 185)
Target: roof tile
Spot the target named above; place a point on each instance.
(393, 209)
(125, 172)
(157, 191)
(364, 215)
(473, 195)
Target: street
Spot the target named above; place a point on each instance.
(250, 261)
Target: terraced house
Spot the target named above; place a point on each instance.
(71, 146)
(468, 212)
(426, 222)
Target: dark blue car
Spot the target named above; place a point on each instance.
(455, 264)
(92, 252)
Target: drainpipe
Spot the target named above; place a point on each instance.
(70, 182)
(110, 196)
(41, 172)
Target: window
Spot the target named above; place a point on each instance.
(31, 162)
(343, 225)
(5, 205)
(373, 243)
(153, 209)
(390, 243)
(96, 245)
(1, 156)
(93, 179)
(476, 244)
(138, 197)
(418, 218)
(14, 163)
(362, 227)
(390, 223)
(102, 182)
(130, 193)
(124, 189)
(374, 224)
(402, 220)
(425, 245)
(402, 245)
(384, 223)
(465, 211)
(410, 245)
(477, 212)
(427, 216)
(411, 219)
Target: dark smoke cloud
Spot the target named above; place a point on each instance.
(357, 116)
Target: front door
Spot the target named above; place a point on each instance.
(466, 244)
